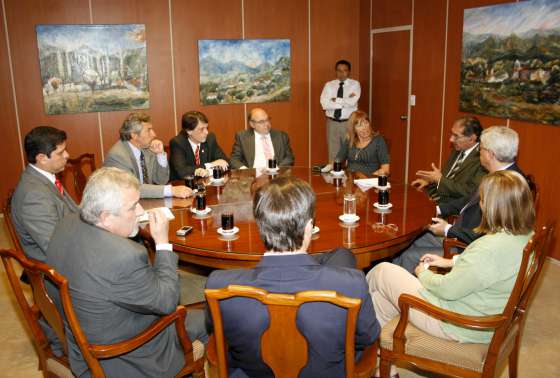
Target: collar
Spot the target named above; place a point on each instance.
(467, 152)
(276, 261)
(259, 135)
(193, 144)
(50, 176)
(135, 150)
(505, 167)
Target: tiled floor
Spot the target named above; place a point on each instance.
(539, 356)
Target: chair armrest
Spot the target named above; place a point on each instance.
(117, 349)
(367, 364)
(449, 243)
(211, 353)
(197, 305)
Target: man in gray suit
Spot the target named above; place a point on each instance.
(116, 292)
(39, 201)
(255, 146)
(139, 153)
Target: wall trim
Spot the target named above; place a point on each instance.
(444, 85)
(309, 121)
(409, 93)
(393, 28)
(173, 89)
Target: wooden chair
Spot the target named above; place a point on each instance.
(283, 347)
(7, 211)
(44, 306)
(401, 341)
(76, 173)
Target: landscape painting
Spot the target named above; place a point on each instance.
(93, 68)
(244, 71)
(511, 61)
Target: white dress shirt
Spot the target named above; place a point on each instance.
(51, 177)
(260, 158)
(346, 103)
(162, 161)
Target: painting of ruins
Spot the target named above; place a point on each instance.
(93, 68)
(511, 61)
(244, 71)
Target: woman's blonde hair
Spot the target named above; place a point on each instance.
(357, 119)
(507, 204)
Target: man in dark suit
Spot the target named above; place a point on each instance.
(139, 153)
(462, 172)
(253, 147)
(116, 292)
(498, 150)
(195, 148)
(284, 210)
(39, 201)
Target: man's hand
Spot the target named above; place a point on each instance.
(201, 172)
(181, 191)
(333, 99)
(159, 226)
(221, 163)
(419, 184)
(156, 146)
(431, 176)
(436, 260)
(352, 95)
(438, 227)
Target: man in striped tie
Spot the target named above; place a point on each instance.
(463, 171)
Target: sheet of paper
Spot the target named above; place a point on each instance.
(366, 184)
(145, 217)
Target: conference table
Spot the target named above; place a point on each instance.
(377, 234)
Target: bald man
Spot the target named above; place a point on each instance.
(254, 146)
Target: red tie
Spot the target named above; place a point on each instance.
(197, 156)
(58, 185)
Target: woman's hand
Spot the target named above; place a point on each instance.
(436, 260)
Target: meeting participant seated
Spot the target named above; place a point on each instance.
(39, 201)
(253, 147)
(498, 150)
(116, 292)
(139, 153)
(195, 149)
(462, 172)
(284, 210)
(364, 149)
(481, 278)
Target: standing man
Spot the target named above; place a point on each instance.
(39, 201)
(116, 292)
(195, 148)
(462, 172)
(139, 153)
(253, 147)
(339, 99)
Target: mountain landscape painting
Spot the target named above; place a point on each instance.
(511, 61)
(93, 68)
(244, 71)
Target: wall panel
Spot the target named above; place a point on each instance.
(389, 13)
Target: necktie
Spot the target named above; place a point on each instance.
(266, 148)
(197, 156)
(457, 165)
(145, 178)
(58, 185)
(339, 94)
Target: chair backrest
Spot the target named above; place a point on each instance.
(76, 173)
(7, 211)
(41, 306)
(283, 347)
(534, 190)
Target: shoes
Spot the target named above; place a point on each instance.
(327, 168)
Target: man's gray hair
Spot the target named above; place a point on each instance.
(133, 124)
(502, 141)
(103, 192)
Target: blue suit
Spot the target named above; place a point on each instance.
(322, 324)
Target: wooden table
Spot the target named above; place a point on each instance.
(376, 235)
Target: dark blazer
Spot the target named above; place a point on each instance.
(37, 207)
(243, 152)
(322, 324)
(182, 156)
(117, 293)
(464, 182)
(470, 214)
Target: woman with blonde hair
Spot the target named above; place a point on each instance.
(481, 278)
(364, 148)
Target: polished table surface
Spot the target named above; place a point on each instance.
(376, 235)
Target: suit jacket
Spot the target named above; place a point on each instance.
(182, 161)
(116, 294)
(464, 182)
(121, 156)
(37, 207)
(470, 214)
(243, 153)
(322, 324)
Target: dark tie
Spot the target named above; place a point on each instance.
(58, 185)
(145, 178)
(457, 165)
(197, 155)
(339, 94)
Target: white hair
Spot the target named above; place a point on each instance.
(103, 192)
(502, 141)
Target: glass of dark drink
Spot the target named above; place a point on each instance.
(337, 166)
(382, 181)
(201, 201)
(217, 173)
(383, 197)
(272, 163)
(227, 221)
(189, 181)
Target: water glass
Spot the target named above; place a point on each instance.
(349, 205)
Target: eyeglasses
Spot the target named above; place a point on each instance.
(456, 137)
(262, 121)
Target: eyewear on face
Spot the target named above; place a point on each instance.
(262, 121)
(457, 137)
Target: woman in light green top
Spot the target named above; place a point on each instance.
(481, 278)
